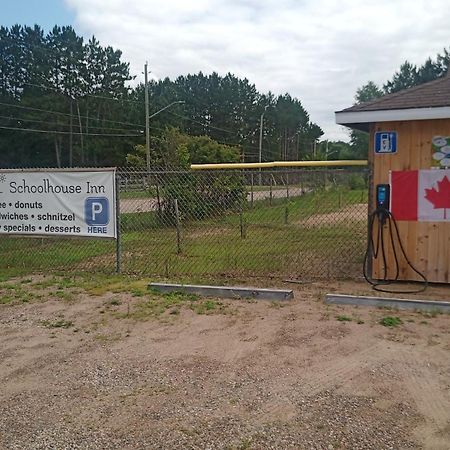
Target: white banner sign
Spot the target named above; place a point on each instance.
(67, 203)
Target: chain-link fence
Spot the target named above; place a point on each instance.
(216, 224)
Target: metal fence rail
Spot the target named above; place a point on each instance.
(299, 223)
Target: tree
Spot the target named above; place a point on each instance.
(359, 140)
(60, 87)
(76, 91)
(333, 150)
(404, 78)
(410, 75)
(177, 149)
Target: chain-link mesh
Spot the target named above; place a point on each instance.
(203, 224)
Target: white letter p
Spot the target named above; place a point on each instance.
(97, 208)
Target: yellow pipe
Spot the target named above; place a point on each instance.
(273, 164)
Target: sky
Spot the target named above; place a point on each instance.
(319, 51)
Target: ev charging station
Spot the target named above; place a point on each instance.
(409, 187)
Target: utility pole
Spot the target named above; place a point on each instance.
(71, 134)
(260, 140)
(147, 118)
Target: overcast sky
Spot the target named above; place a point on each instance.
(320, 51)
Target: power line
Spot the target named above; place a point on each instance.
(70, 115)
(68, 132)
(75, 125)
(87, 95)
(301, 140)
(201, 123)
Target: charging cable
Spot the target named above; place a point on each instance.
(377, 248)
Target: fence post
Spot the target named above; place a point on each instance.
(177, 218)
(166, 268)
(241, 223)
(286, 215)
(118, 237)
(251, 189)
(270, 192)
(158, 197)
(287, 186)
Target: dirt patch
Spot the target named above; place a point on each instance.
(350, 213)
(118, 370)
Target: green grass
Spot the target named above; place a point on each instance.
(391, 321)
(143, 303)
(344, 319)
(280, 239)
(16, 293)
(156, 305)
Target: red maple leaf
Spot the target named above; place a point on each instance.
(440, 197)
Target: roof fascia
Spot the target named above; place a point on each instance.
(387, 115)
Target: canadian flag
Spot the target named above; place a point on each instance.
(421, 195)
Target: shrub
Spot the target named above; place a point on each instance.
(356, 182)
(200, 195)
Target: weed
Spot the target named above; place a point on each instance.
(15, 293)
(64, 295)
(62, 323)
(107, 337)
(430, 314)
(204, 307)
(390, 321)
(276, 305)
(344, 319)
(245, 444)
(137, 292)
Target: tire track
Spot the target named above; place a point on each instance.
(431, 398)
(343, 370)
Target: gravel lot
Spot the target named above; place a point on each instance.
(106, 370)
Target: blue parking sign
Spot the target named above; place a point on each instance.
(386, 142)
(96, 211)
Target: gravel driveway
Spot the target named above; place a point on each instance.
(85, 371)
(133, 205)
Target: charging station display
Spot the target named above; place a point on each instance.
(60, 203)
(383, 196)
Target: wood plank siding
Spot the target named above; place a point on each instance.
(427, 244)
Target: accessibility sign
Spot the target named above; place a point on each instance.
(58, 202)
(386, 142)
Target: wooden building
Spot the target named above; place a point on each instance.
(410, 150)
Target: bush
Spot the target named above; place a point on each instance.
(356, 182)
(200, 195)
